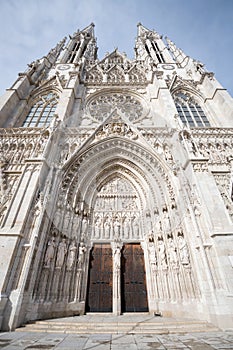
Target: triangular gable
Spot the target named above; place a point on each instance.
(178, 83)
(52, 83)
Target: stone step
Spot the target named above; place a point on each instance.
(147, 326)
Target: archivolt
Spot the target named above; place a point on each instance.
(99, 161)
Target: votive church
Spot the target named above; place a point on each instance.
(116, 185)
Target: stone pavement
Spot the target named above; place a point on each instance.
(62, 341)
(166, 337)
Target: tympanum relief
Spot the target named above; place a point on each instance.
(117, 211)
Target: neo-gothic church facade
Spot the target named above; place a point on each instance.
(116, 185)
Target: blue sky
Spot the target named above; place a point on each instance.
(203, 29)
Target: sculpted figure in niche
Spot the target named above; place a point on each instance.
(166, 221)
(158, 226)
(81, 256)
(71, 256)
(66, 221)
(184, 254)
(76, 223)
(203, 151)
(50, 251)
(216, 151)
(84, 225)
(162, 254)
(61, 252)
(98, 227)
(116, 227)
(57, 218)
(152, 251)
(126, 227)
(107, 228)
(172, 255)
(135, 227)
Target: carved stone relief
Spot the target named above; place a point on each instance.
(101, 106)
(171, 267)
(19, 144)
(115, 69)
(63, 259)
(116, 211)
(224, 184)
(212, 144)
(72, 141)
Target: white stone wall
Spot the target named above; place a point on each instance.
(116, 165)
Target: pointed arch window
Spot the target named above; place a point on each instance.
(42, 111)
(73, 52)
(190, 112)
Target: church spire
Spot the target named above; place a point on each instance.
(81, 44)
(150, 44)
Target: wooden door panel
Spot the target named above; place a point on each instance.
(99, 298)
(134, 295)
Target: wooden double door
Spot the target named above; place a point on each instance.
(132, 279)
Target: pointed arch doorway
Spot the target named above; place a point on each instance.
(117, 286)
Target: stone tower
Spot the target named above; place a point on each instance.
(116, 185)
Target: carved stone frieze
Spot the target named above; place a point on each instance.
(115, 69)
(224, 183)
(160, 140)
(117, 128)
(212, 146)
(19, 144)
(72, 140)
(116, 211)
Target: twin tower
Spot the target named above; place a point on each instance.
(116, 185)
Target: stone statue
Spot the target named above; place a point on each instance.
(126, 228)
(162, 254)
(84, 225)
(71, 256)
(166, 221)
(152, 255)
(66, 221)
(97, 227)
(107, 228)
(184, 254)
(81, 256)
(116, 227)
(61, 252)
(172, 255)
(57, 218)
(49, 255)
(135, 228)
(117, 258)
